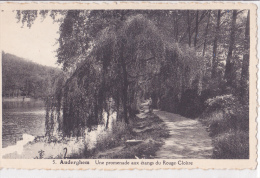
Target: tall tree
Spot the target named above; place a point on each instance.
(245, 63)
(215, 45)
(124, 55)
(229, 73)
(189, 27)
(125, 80)
(206, 34)
(196, 28)
(176, 25)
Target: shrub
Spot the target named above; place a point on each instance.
(112, 143)
(216, 123)
(227, 120)
(235, 114)
(232, 144)
(226, 103)
(114, 137)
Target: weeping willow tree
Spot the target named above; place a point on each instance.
(182, 71)
(120, 60)
(54, 114)
(126, 62)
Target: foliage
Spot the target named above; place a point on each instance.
(228, 123)
(223, 102)
(116, 139)
(54, 114)
(232, 144)
(120, 133)
(180, 58)
(25, 78)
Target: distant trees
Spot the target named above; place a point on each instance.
(25, 78)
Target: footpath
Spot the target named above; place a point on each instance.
(188, 138)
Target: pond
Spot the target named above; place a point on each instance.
(24, 119)
(22, 116)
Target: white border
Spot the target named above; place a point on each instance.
(138, 173)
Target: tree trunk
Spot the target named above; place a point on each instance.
(206, 34)
(245, 63)
(125, 84)
(96, 106)
(196, 29)
(229, 63)
(108, 115)
(176, 26)
(215, 45)
(189, 29)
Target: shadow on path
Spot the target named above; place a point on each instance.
(188, 138)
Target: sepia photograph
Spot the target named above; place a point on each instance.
(125, 84)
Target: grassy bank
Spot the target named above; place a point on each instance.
(150, 130)
(227, 123)
(110, 143)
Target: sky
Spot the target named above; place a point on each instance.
(37, 44)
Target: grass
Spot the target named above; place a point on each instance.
(111, 145)
(230, 139)
(232, 144)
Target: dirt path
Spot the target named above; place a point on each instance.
(188, 138)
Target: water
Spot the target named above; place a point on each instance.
(24, 120)
(91, 138)
(22, 117)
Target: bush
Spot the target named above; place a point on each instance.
(232, 145)
(235, 115)
(226, 103)
(112, 143)
(113, 138)
(228, 122)
(216, 123)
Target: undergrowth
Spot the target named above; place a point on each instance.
(112, 144)
(228, 123)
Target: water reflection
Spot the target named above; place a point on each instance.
(27, 118)
(91, 137)
(20, 117)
